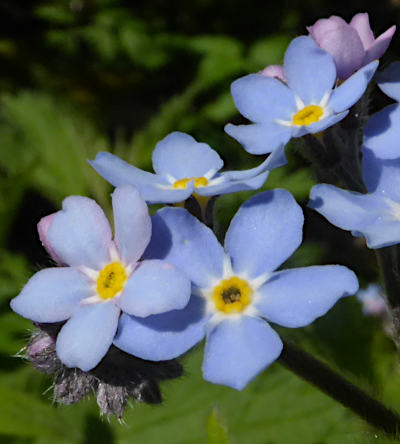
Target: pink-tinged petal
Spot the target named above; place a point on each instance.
(274, 71)
(380, 45)
(80, 233)
(360, 22)
(52, 295)
(43, 227)
(132, 223)
(238, 350)
(86, 337)
(322, 26)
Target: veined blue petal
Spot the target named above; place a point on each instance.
(80, 233)
(132, 223)
(163, 336)
(52, 295)
(86, 337)
(156, 194)
(295, 298)
(118, 172)
(381, 176)
(325, 123)
(233, 186)
(238, 350)
(155, 287)
(181, 156)
(275, 160)
(265, 231)
(369, 215)
(310, 72)
(263, 99)
(260, 138)
(389, 81)
(351, 90)
(179, 238)
(382, 132)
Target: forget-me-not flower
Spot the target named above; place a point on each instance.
(352, 45)
(183, 167)
(100, 278)
(307, 104)
(236, 290)
(382, 131)
(373, 302)
(375, 215)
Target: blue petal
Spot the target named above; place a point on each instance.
(80, 233)
(382, 132)
(350, 91)
(132, 223)
(381, 176)
(324, 123)
(180, 156)
(155, 287)
(86, 337)
(163, 336)
(179, 238)
(118, 172)
(389, 81)
(52, 295)
(310, 72)
(295, 298)
(368, 215)
(265, 231)
(260, 138)
(252, 179)
(275, 160)
(238, 350)
(155, 194)
(233, 186)
(263, 99)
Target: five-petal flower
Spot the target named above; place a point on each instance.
(234, 291)
(103, 276)
(183, 167)
(307, 104)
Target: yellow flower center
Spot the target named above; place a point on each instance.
(111, 280)
(306, 116)
(198, 182)
(232, 295)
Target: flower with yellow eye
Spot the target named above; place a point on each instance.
(184, 167)
(307, 103)
(236, 290)
(99, 277)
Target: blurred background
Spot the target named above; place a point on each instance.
(81, 76)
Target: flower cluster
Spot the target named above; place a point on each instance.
(129, 304)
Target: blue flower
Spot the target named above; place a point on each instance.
(236, 290)
(375, 215)
(307, 104)
(382, 131)
(373, 302)
(103, 277)
(183, 167)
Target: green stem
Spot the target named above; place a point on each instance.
(333, 384)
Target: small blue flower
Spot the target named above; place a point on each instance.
(307, 104)
(236, 290)
(373, 303)
(183, 167)
(103, 277)
(382, 131)
(375, 215)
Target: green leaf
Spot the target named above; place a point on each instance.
(216, 432)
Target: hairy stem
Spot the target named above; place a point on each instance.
(320, 375)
